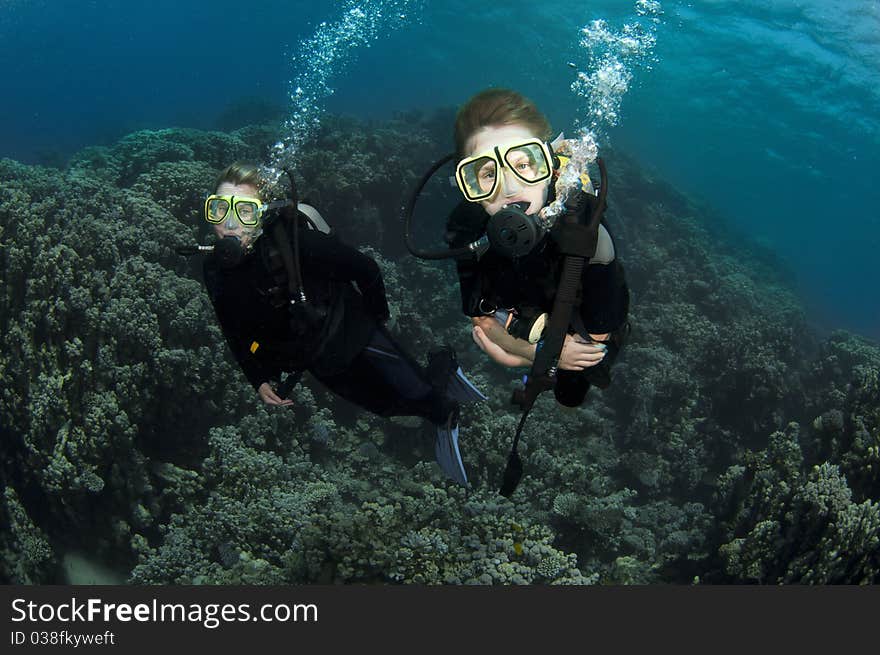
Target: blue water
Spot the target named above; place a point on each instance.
(767, 111)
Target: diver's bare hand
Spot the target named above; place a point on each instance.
(496, 352)
(268, 395)
(578, 354)
(514, 352)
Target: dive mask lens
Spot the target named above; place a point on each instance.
(528, 162)
(477, 177)
(248, 212)
(216, 209)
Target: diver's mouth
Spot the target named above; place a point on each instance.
(522, 205)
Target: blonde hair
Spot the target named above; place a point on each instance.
(240, 173)
(498, 107)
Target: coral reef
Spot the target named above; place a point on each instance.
(360, 174)
(734, 444)
(792, 524)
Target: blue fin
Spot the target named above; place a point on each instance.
(463, 390)
(448, 379)
(447, 453)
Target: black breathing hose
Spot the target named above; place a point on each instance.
(408, 211)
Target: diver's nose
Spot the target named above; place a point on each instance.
(231, 222)
(510, 185)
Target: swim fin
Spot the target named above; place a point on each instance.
(447, 452)
(447, 377)
(463, 390)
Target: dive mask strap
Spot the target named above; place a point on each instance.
(290, 256)
(275, 204)
(555, 162)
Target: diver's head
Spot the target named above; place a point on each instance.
(235, 208)
(500, 137)
(238, 213)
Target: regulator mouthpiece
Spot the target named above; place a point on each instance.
(188, 251)
(512, 232)
(229, 251)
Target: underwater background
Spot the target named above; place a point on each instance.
(766, 109)
(739, 442)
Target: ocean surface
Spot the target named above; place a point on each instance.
(766, 111)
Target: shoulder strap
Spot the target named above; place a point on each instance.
(290, 257)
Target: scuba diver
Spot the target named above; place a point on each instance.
(294, 300)
(537, 273)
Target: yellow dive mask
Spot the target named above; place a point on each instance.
(530, 161)
(248, 211)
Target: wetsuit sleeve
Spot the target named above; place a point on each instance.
(326, 255)
(254, 370)
(465, 225)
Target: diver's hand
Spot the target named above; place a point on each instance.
(268, 395)
(495, 352)
(578, 354)
(501, 346)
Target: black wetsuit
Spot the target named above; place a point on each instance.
(530, 283)
(348, 349)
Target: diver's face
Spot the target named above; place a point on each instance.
(511, 189)
(232, 227)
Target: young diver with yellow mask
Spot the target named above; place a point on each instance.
(537, 274)
(291, 300)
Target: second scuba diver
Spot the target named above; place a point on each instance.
(509, 258)
(507, 162)
(537, 273)
(294, 300)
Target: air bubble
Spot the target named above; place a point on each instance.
(326, 53)
(611, 58)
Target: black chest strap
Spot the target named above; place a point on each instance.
(577, 244)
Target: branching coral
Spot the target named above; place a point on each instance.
(26, 557)
(792, 525)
